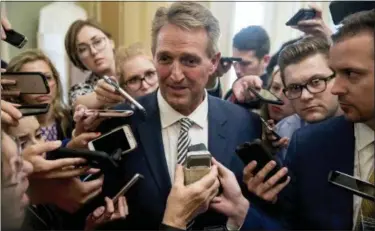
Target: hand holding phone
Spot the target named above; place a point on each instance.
(270, 129)
(257, 151)
(126, 187)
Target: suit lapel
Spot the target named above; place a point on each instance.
(217, 131)
(152, 143)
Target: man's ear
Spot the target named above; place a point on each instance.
(266, 60)
(215, 62)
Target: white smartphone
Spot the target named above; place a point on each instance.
(110, 113)
(119, 138)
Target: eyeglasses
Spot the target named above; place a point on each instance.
(84, 50)
(314, 86)
(135, 83)
(15, 166)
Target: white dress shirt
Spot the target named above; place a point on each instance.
(171, 129)
(363, 161)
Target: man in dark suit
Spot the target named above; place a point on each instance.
(344, 143)
(181, 113)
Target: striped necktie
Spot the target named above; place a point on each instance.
(183, 141)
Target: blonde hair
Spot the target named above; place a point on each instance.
(124, 54)
(61, 111)
(187, 15)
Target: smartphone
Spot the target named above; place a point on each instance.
(95, 159)
(198, 156)
(110, 113)
(128, 185)
(230, 59)
(278, 137)
(14, 38)
(34, 109)
(302, 14)
(266, 96)
(27, 82)
(119, 138)
(352, 184)
(257, 151)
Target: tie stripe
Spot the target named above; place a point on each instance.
(183, 141)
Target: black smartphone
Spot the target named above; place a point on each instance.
(34, 109)
(302, 14)
(230, 59)
(14, 38)
(27, 82)
(352, 184)
(95, 159)
(257, 151)
(128, 185)
(266, 96)
(278, 137)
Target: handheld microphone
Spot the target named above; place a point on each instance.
(133, 102)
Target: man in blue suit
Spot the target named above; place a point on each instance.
(181, 113)
(344, 143)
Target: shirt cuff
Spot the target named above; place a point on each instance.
(231, 227)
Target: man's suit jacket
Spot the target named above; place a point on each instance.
(228, 126)
(310, 201)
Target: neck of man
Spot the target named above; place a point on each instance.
(186, 111)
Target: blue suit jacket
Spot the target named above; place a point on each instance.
(228, 126)
(310, 202)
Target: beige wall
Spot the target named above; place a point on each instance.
(128, 22)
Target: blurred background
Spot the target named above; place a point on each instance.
(45, 24)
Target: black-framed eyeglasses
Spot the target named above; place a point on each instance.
(135, 83)
(15, 164)
(98, 44)
(314, 86)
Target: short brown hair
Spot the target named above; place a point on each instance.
(356, 23)
(187, 15)
(71, 39)
(299, 51)
(124, 54)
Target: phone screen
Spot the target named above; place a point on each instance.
(15, 38)
(352, 183)
(111, 142)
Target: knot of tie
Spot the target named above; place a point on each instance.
(186, 124)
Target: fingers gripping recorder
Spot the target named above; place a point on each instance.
(198, 163)
(132, 101)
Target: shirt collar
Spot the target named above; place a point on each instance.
(364, 135)
(169, 116)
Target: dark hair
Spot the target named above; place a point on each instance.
(71, 39)
(356, 23)
(273, 61)
(299, 51)
(253, 38)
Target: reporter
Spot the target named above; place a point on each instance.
(91, 48)
(57, 123)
